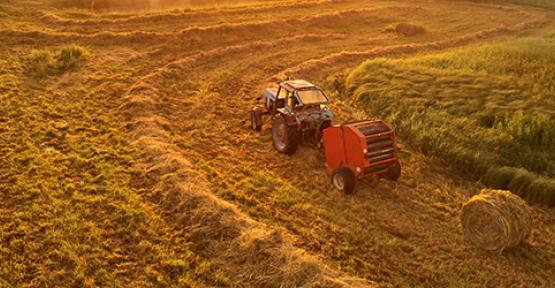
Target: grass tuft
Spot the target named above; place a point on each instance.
(43, 63)
(71, 57)
(40, 63)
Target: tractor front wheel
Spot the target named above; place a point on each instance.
(394, 171)
(256, 119)
(285, 136)
(344, 180)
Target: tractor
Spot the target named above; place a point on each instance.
(299, 112)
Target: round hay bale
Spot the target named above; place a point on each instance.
(495, 220)
(406, 29)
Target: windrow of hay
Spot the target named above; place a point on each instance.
(250, 253)
(495, 220)
(305, 68)
(189, 34)
(177, 15)
(246, 30)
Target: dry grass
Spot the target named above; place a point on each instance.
(135, 168)
(70, 213)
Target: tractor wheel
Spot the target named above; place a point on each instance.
(344, 180)
(394, 171)
(256, 119)
(285, 136)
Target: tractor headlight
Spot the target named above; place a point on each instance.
(365, 150)
(359, 170)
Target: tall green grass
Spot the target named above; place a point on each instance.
(488, 111)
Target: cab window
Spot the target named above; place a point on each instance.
(312, 96)
(282, 94)
(291, 101)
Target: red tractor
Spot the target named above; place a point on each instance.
(299, 112)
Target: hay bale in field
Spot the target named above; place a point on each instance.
(406, 29)
(495, 220)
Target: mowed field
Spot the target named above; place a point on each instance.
(127, 159)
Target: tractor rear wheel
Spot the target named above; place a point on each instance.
(394, 171)
(256, 119)
(344, 180)
(285, 136)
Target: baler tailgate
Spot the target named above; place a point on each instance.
(380, 141)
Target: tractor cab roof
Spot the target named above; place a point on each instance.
(291, 85)
(306, 93)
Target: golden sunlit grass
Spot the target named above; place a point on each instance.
(69, 214)
(126, 160)
(482, 110)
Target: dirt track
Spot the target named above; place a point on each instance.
(186, 110)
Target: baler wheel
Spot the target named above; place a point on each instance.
(344, 180)
(256, 119)
(285, 136)
(394, 171)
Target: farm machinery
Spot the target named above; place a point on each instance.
(299, 113)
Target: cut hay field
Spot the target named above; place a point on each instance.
(127, 159)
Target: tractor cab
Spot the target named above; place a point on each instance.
(293, 94)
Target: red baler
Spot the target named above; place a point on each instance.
(361, 148)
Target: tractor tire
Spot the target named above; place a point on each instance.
(286, 137)
(256, 119)
(344, 180)
(394, 171)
